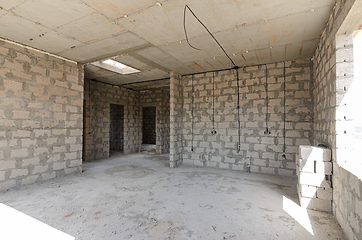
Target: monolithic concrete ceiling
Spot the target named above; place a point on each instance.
(148, 34)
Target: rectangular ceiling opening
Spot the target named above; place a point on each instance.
(115, 66)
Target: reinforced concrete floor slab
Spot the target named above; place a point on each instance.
(137, 196)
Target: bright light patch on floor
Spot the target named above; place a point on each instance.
(16, 225)
(115, 66)
(298, 213)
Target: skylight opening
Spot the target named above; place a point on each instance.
(115, 66)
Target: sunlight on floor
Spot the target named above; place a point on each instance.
(17, 225)
(298, 213)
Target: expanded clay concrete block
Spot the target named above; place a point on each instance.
(315, 153)
(323, 168)
(306, 165)
(308, 191)
(311, 179)
(313, 166)
(316, 204)
(323, 193)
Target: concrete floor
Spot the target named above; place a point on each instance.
(137, 196)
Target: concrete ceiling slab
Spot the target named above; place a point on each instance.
(46, 41)
(104, 48)
(20, 30)
(53, 13)
(90, 28)
(133, 62)
(149, 35)
(161, 58)
(160, 84)
(117, 8)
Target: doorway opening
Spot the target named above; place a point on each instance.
(149, 130)
(116, 137)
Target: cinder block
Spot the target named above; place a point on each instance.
(311, 179)
(285, 172)
(2, 175)
(31, 161)
(324, 168)
(19, 153)
(72, 170)
(315, 153)
(229, 160)
(18, 172)
(59, 165)
(70, 156)
(40, 169)
(7, 185)
(211, 164)
(19, 114)
(30, 180)
(316, 204)
(47, 176)
(21, 134)
(308, 191)
(323, 193)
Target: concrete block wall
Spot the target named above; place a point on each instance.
(98, 97)
(333, 72)
(176, 119)
(159, 98)
(41, 107)
(263, 153)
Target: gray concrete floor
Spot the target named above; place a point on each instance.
(137, 196)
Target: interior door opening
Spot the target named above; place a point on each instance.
(116, 137)
(149, 130)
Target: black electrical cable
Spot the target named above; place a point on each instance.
(213, 104)
(238, 106)
(187, 7)
(284, 133)
(267, 100)
(192, 115)
(89, 106)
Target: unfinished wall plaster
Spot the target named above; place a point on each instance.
(333, 72)
(262, 152)
(41, 106)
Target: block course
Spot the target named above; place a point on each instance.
(262, 152)
(33, 125)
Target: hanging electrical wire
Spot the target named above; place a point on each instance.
(187, 39)
(213, 104)
(89, 107)
(192, 114)
(266, 101)
(284, 133)
(238, 107)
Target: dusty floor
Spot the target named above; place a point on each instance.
(137, 196)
